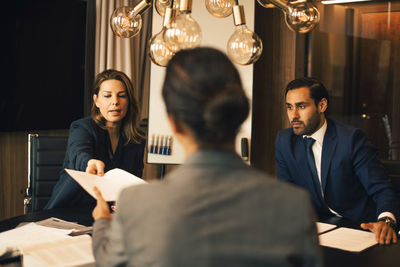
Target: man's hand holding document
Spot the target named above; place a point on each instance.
(110, 184)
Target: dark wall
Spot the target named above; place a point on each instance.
(43, 64)
(53, 68)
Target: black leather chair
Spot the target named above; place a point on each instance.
(393, 170)
(45, 159)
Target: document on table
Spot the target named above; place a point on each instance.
(46, 246)
(348, 239)
(324, 227)
(29, 235)
(76, 251)
(110, 184)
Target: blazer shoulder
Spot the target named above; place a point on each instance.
(86, 123)
(344, 130)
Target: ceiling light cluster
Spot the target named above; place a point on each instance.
(181, 31)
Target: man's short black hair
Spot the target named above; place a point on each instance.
(317, 89)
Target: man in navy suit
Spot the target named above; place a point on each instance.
(336, 163)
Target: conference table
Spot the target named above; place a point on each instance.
(376, 256)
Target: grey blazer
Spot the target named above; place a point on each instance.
(214, 210)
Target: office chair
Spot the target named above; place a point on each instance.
(45, 159)
(393, 170)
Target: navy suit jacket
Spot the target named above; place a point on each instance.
(354, 182)
(88, 141)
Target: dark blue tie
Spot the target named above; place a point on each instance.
(311, 163)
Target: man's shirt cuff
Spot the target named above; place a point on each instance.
(387, 214)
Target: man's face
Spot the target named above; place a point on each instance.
(304, 116)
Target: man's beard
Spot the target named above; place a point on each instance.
(310, 128)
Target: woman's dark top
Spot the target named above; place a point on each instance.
(88, 141)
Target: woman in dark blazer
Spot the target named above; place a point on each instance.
(109, 139)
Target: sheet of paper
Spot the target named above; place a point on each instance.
(110, 184)
(348, 239)
(30, 234)
(323, 227)
(61, 224)
(76, 229)
(76, 251)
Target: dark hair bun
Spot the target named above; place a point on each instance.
(203, 90)
(224, 114)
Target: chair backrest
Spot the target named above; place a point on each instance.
(46, 156)
(393, 170)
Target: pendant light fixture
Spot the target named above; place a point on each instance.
(300, 15)
(220, 8)
(183, 31)
(244, 46)
(126, 21)
(157, 48)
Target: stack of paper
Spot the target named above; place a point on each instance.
(31, 234)
(76, 251)
(46, 246)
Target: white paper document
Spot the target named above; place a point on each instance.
(110, 184)
(324, 227)
(348, 239)
(76, 251)
(47, 246)
(29, 235)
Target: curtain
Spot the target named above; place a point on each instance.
(124, 54)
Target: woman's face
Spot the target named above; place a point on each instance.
(112, 101)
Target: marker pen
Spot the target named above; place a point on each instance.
(155, 147)
(165, 145)
(169, 143)
(160, 144)
(151, 144)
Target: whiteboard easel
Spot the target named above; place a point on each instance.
(216, 33)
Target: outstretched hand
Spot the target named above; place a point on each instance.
(384, 234)
(101, 210)
(95, 166)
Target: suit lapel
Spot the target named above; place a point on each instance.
(328, 149)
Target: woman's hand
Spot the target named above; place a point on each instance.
(101, 210)
(95, 166)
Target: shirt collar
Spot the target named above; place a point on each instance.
(319, 135)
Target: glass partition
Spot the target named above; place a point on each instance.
(355, 52)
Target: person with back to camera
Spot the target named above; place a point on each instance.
(109, 139)
(213, 210)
